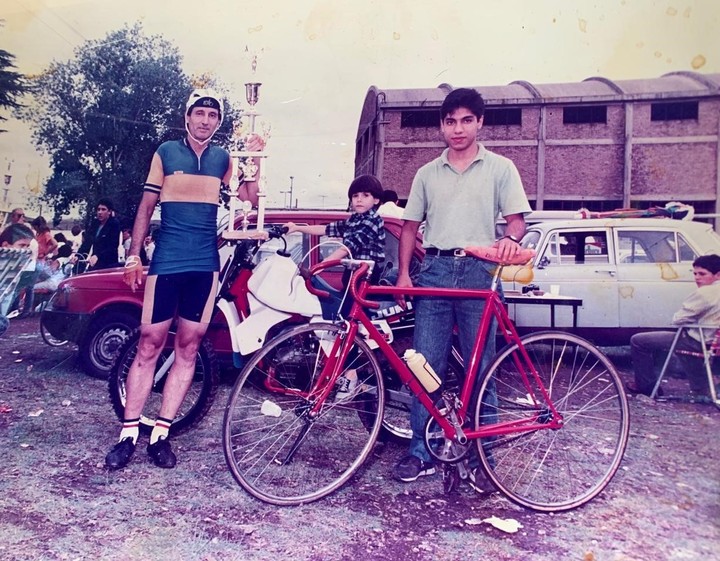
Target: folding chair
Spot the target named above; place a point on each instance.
(707, 354)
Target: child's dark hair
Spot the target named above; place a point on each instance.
(366, 184)
(709, 262)
(463, 97)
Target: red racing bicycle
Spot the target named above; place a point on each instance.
(548, 419)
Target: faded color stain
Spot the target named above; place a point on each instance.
(626, 292)
(396, 36)
(582, 24)
(321, 20)
(698, 61)
(671, 11)
(668, 272)
(255, 29)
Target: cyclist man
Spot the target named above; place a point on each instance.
(185, 176)
(459, 195)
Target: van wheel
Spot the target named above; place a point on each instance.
(104, 337)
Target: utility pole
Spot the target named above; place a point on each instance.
(7, 179)
(291, 190)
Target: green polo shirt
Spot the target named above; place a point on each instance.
(460, 209)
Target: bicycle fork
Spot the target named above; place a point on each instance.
(335, 354)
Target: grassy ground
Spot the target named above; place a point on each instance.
(57, 501)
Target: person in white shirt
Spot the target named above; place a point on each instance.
(701, 307)
(389, 206)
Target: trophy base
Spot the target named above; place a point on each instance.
(245, 235)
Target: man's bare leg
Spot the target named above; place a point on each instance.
(187, 341)
(138, 386)
(142, 371)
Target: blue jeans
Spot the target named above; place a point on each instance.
(435, 319)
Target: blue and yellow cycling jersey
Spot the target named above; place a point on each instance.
(189, 190)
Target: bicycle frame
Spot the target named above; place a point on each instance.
(494, 310)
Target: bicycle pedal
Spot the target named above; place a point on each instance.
(451, 479)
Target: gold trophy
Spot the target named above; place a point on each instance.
(253, 167)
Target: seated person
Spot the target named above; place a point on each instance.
(17, 236)
(50, 277)
(363, 235)
(701, 307)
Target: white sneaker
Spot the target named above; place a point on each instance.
(346, 385)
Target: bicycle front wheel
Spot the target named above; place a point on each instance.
(559, 469)
(276, 448)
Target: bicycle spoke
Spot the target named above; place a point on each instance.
(284, 446)
(553, 469)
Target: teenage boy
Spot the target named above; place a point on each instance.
(102, 239)
(459, 195)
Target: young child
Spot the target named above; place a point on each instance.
(363, 233)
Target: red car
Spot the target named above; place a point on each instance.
(97, 310)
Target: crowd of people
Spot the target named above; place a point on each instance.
(53, 257)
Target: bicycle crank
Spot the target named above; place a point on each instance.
(442, 448)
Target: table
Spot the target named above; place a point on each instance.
(546, 300)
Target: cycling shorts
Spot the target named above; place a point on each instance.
(191, 295)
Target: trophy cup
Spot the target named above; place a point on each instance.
(245, 161)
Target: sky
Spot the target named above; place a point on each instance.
(317, 59)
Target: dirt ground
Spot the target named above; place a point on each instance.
(57, 501)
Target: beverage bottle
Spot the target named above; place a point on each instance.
(422, 370)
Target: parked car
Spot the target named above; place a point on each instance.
(631, 273)
(97, 310)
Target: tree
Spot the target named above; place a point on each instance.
(13, 85)
(102, 115)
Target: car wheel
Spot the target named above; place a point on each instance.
(104, 337)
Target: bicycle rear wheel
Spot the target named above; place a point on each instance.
(276, 450)
(545, 469)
